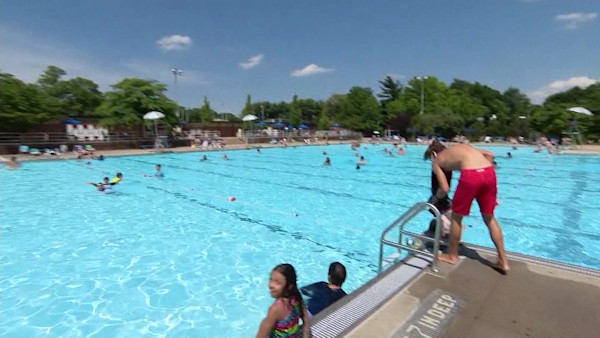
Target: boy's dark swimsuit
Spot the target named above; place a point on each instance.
(442, 204)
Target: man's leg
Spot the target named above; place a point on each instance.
(496, 235)
(455, 232)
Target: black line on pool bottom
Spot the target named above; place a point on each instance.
(317, 176)
(291, 185)
(272, 227)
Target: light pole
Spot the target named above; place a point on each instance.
(422, 93)
(262, 112)
(177, 72)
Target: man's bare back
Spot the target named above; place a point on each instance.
(463, 156)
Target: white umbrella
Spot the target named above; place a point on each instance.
(249, 117)
(154, 115)
(375, 132)
(581, 110)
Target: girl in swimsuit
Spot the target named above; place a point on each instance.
(283, 317)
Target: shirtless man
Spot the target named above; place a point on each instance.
(477, 181)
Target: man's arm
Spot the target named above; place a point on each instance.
(487, 154)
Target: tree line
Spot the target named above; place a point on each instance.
(421, 106)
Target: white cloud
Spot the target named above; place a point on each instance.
(252, 62)
(310, 70)
(574, 20)
(539, 95)
(174, 42)
(26, 57)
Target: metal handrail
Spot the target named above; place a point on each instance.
(401, 221)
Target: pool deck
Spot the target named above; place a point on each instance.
(234, 143)
(537, 298)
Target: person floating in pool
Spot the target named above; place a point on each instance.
(204, 158)
(362, 161)
(118, 178)
(327, 161)
(401, 151)
(158, 172)
(477, 181)
(225, 157)
(508, 155)
(320, 295)
(104, 186)
(11, 163)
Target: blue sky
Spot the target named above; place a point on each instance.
(274, 49)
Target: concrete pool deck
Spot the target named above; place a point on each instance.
(537, 298)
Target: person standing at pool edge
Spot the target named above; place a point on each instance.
(477, 181)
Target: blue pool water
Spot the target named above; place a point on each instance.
(175, 257)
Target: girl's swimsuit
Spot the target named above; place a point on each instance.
(289, 326)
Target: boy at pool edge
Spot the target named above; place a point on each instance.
(322, 294)
(283, 317)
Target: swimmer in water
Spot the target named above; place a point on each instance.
(327, 161)
(11, 163)
(118, 178)
(103, 186)
(362, 160)
(204, 158)
(225, 157)
(158, 172)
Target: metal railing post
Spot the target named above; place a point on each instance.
(401, 222)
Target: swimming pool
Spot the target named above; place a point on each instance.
(175, 257)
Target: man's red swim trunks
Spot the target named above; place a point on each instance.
(479, 184)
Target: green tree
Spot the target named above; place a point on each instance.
(131, 98)
(361, 110)
(390, 90)
(248, 109)
(323, 122)
(50, 76)
(551, 120)
(78, 96)
(294, 116)
(206, 114)
(444, 123)
(23, 106)
(310, 109)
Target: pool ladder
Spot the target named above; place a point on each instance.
(400, 223)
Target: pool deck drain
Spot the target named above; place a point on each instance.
(537, 298)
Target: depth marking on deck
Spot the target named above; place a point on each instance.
(432, 317)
